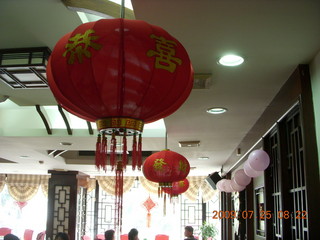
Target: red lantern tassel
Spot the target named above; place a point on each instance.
(103, 152)
(139, 152)
(98, 152)
(124, 153)
(164, 205)
(113, 146)
(148, 220)
(134, 152)
(119, 194)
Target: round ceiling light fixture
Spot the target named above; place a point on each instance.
(216, 110)
(231, 60)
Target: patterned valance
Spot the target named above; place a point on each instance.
(197, 183)
(2, 181)
(108, 183)
(151, 187)
(22, 187)
(45, 184)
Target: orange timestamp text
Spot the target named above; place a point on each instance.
(250, 214)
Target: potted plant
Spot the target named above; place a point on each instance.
(208, 231)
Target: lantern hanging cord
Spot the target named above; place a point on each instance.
(122, 9)
(166, 141)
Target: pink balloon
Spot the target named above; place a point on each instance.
(251, 172)
(220, 185)
(241, 178)
(227, 186)
(258, 160)
(236, 187)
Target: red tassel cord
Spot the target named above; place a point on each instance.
(119, 194)
(98, 152)
(103, 152)
(148, 219)
(139, 161)
(124, 153)
(113, 147)
(134, 152)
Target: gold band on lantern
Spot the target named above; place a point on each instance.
(118, 122)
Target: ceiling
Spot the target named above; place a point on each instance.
(273, 37)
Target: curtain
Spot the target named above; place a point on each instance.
(44, 181)
(91, 184)
(108, 183)
(22, 187)
(151, 187)
(197, 183)
(2, 181)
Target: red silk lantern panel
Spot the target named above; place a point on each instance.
(120, 73)
(166, 167)
(177, 188)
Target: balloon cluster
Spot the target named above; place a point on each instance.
(256, 163)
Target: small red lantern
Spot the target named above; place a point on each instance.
(166, 167)
(177, 188)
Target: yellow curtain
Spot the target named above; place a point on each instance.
(197, 183)
(44, 181)
(151, 187)
(22, 187)
(108, 184)
(91, 184)
(2, 181)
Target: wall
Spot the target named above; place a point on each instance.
(315, 83)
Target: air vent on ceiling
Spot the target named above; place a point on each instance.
(189, 143)
(202, 81)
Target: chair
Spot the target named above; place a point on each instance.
(41, 235)
(100, 237)
(85, 237)
(124, 237)
(28, 234)
(162, 237)
(4, 231)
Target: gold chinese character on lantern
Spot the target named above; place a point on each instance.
(165, 54)
(158, 164)
(182, 166)
(181, 183)
(78, 46)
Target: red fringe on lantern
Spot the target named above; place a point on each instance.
(139, 161)
(103, 152)
(148, 219)
(134, 152)
(119, 194)
(98, 152)
(113, 147)
(124, 153)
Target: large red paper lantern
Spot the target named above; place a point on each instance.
(166, 167)
(121, 74)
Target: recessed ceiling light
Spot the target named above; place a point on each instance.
(231, 60)
(203, 158)
(216, 110)
(65, 143)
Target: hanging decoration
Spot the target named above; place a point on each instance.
(149, 204)
(178, 188)
(121, 74)
(21, 204)
(165, 167)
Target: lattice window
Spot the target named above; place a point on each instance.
(61, 209)
(295, 155)
(191, 214)
(276, 195)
